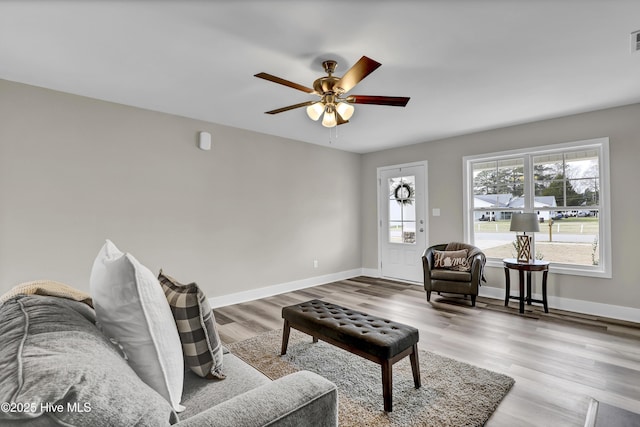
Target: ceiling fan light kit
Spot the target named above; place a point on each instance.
(329, 120)
(331, 112)
(333, 107)
(345, 110)
(315, 110)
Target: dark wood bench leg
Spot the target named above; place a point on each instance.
(315, 339)
(415, 366)
(285, 337)
(387, 385)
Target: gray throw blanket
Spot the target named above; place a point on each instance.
(472, 252)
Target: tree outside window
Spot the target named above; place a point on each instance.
(562, 186)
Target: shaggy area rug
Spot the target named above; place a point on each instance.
(452, 393)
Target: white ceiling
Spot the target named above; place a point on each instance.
(467, 65)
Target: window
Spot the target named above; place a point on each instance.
(402, 209)
(566, 185)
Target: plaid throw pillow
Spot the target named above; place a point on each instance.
(196, 325)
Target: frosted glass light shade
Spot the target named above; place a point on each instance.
(345, 110)
(314, 111)
(329, 119)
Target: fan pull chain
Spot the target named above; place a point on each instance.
(336, 134)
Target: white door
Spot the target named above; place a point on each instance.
(403, 228)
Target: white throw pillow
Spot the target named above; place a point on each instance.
(132, 309)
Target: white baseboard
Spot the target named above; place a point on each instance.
(491, 292)
(267, 291)
(371, 272)
(629, 314)
(578, 306)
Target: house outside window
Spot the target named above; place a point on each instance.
(566, 185)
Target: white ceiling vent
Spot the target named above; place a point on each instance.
(635, 41)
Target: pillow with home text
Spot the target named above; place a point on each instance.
(451, 260)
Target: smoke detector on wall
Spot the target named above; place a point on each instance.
(635, 41)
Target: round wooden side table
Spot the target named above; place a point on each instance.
(521, 267)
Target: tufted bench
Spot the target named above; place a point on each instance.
(374, 338)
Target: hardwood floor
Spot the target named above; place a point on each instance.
(559, 360)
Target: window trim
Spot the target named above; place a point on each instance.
(603, 269)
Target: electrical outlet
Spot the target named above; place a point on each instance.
(315, 263)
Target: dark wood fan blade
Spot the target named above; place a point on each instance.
(291, 107)
(394, 101)
(359, 71)
(340, 120)
(275, 79)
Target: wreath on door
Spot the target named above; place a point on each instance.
(403, 193)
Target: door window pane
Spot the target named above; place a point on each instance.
(395, 211)
(402, 209)
(409, 212)
(395, 231)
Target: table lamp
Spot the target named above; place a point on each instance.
(527, 223)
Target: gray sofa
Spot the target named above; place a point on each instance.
(56, 368)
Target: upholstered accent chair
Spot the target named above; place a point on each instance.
(453, 268)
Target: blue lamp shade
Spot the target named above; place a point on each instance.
(525, 222)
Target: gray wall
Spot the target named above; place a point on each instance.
(254, 211)
(621, 125)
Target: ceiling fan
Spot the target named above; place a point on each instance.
(333, 103)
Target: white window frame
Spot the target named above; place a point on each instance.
(603, 269)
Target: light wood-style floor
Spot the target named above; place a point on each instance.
(559, 360)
